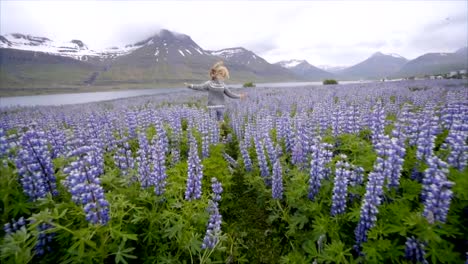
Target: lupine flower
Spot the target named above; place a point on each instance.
(262, 162)
(370, 204)
(317, 167)
(195, 173)
(213, 229)
(414, 251)
(85, 186)
(13, 226)
(298, 153)
(43, 243)
(340, 188)
(159, 168)
(35, 166)
(458, 157)
(144, 160)
(217, 188)
(357, 176)
(131, 119)
(245, 156)
(436, 193)
(395, 159)
(230, 160)
(277, 180)
(4, 145)
(123, 158)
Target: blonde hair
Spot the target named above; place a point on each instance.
(219, 71)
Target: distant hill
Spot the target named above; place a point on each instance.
(435, 63)
(377, 66)
(305, 71)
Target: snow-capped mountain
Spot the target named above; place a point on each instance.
(247, 61)
(305, 70)
(288, 64)
(75, 49)
(165, 59)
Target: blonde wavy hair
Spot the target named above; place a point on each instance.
(219, 71)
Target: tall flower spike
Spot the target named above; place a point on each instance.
(213, 229)
(159, 167)
(217, 188)
(437, 193)
(195, 173)
(369, 208)
(85, 186)
(245, 156)
(340, 188)
(35, 165)
(277, 188)
(414, 251)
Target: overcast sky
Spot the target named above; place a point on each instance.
(331, 32)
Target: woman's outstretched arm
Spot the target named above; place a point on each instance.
(199, 87)
(229, 93)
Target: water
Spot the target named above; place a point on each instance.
(78, 98)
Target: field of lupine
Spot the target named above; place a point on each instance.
(358, 173)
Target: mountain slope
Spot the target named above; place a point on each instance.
(248, 66)
(22, 68)
(377, 66)
(304, 70)
(435, 63)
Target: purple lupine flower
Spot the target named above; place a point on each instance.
(35, 166)
(262, 162)
(43, 242)
(436, 193)
(56, 138)
(123, 158)
(320, 157)
(458, 157)
(217, 188)
(159, 168)
(13, 226)
(414, 250)
(277, 180)
(85, 186)
(270, 148)
(162, 136)
(195, 173)
(232, 162)
(4, 145)
(245, 156)
(340, 188)
(370, 203)
(395, 158)
(298, 153)
(132, 125)
(213, 229)
(144, 161)
(357, 176)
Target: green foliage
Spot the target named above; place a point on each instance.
(329, 81)
(248, 84)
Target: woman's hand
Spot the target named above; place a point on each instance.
(243, 96)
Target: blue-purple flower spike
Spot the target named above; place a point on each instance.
(277, 180)
(195, 173)
(217, 188)
(35, 165)
(84, 184)
(340, 188)
(414, 251)
(213, 229)
(436, 193)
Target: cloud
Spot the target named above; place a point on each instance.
(323, 32)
